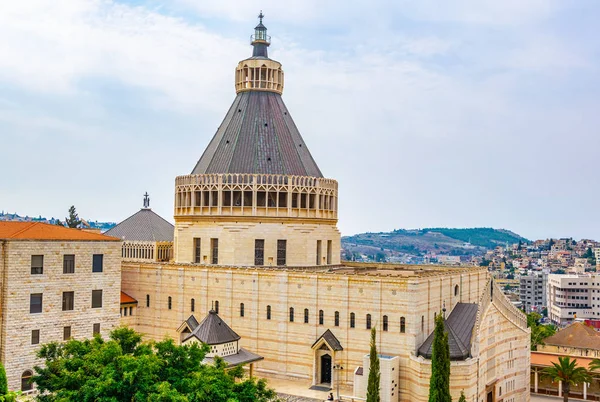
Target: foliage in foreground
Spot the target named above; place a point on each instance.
(126, 369)
(566, 370)
(539, 332)
(373, 383)
(439, 383)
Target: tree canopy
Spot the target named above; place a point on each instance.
(568, 373)
(124, 368)
(539, 332)
(73, 220)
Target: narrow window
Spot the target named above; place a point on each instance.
(69, 264)
(197, 251)
(268, 312)
(385, 322)
(169, 302)
(402, 325)
(96, 298)
(214, 246)
(35, 303)
(217, 306)
(147, 300)
(368, 321)
(259, 252)
(124, 311)
(422, 323)
(329, 248)
(242, 309)
(352, 320)
(68, 300)
(456, 290)
(193, 305)
(318, 252)
(67, 333)
(37, 264)
(337, 318)
(130, 310)
(306, 316)
(35, 336)
(96, 329)
(281, 252)
(26, 384)
(97, 263)
(291, 314)
(321, 317)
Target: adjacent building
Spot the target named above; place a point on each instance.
(532, 291)
(56, 284)
(256, 242)
(572, 297)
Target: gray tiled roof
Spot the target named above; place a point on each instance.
(213, 330)
(459, 326)
(243, 356)
(144, 225)
(258, 135)
(331, 340)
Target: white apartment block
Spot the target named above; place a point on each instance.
(573, 297)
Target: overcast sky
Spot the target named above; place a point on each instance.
(457, 113)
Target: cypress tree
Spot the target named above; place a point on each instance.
(439, 383)
(374, 372)
(3, 381)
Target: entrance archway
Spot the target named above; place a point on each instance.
(326, 369)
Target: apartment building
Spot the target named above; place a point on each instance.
(532, 291)
(55, 284)
(573, 297)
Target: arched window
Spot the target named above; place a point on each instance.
(170, 303)
(217, 306)
(402, 325)
(268, 312)
(456, 290)
(291, 314)
(321, 317)
(385, 322)
(306, 316)
(337, 318)
(352, 320)
(147, 300)
(193, 305)
(26, 384)
(422, 323)
(434, 315)
(368, 321)
(242, 309)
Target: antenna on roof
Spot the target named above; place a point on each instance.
(146, 200)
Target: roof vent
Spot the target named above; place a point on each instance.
(268, 159)
(227, 142)
(239, 110)
(266, 125)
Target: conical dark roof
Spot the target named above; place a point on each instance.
(258, 135)
(213, 330)
(144, 225)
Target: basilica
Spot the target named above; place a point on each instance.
(255, 245)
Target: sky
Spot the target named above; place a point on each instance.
(461, 113)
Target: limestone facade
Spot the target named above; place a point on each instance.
(19, 342)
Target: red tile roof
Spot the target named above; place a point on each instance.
(126, 299)
(576, 335)
(44, 231)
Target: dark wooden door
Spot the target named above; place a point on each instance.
(326, 369)
(490, 396)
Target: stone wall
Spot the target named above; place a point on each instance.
(16, 351)
(415, 293)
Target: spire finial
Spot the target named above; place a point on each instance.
(444, 309)
(261, 16)
(146, 200)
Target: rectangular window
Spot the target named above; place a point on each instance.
(268, 312)
(97, 262)
(96, 298)
(69, 264)
(67, 333)
(68, 301)
(35, 336)
(337, 318)
(318, 252)
(281, 252)
(147, 300)
(329, 250)
(96, 329)
(37, 264)
(259, 252)
(214, 246)
(35, 303)
(197, 252)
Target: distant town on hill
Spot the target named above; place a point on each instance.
(4, 216)
(417, 246)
